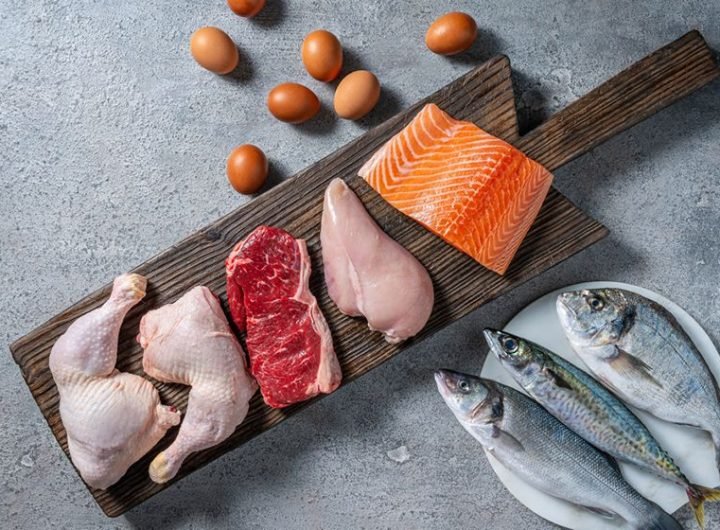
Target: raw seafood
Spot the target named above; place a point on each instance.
(586, 407)
(111, 418)
(190, 342)
(637, 349)
(367, 272)
(539, 449)
(288, 340)
(477, 192)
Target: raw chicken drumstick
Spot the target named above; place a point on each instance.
(111, 418)
(190, 342)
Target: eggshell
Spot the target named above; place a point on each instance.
(322, 55)
(356, 95)
(451, 33)
(246, 8)
(293, 103)
(247, 168)
(214, 50)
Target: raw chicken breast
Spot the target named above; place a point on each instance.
(111, 418)
(368, 273)
(190, 342)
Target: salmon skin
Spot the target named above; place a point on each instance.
(474, 190)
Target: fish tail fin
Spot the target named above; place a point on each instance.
(698, 495)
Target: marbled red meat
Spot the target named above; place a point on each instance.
(288, 340)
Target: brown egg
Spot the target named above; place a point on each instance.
(247, 169)
(322, 55)
(356, 95)
(451, 33)
(246, 8)
(214, 50)
(293, 103)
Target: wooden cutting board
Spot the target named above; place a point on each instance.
(484, 96)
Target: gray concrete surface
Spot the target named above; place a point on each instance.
(112, 147)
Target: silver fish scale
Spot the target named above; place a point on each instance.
(687, 391)
(605, 422)
(559, 462)
(639, 350)
(586, 407)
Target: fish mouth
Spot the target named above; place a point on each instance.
(442, 380)
(570, 322)
(562, 304)
(493, 337)
(448, 380)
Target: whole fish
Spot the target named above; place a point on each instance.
(540, 450)
(638, 350)
(586, 407)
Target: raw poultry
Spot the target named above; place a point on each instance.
(111, 418)
(368, 273)
(190, 342)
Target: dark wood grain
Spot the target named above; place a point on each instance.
(641, 90)
(483, 96)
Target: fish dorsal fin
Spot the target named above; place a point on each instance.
(506, 439)
(557, 377)
(623, 362)
(613, 463)
(599, 511)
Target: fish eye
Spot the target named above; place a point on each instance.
(463, 386)
(595, 303)
(510, 345)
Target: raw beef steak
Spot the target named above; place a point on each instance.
(288, 341)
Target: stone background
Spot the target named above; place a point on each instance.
(112, 147)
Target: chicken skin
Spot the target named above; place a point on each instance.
(111, 418)
(190, 342)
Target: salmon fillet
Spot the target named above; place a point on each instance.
(475, 191)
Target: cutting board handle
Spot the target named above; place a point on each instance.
(661, 78)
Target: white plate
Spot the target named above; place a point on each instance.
(690, 448)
